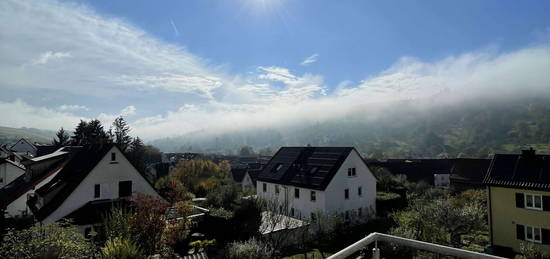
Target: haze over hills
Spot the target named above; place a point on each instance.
(10, 135)
(468, 127)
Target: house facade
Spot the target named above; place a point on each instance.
(93, 179)
(9, 171)
(319, 180)
(518, 188)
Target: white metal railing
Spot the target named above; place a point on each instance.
(439, 249)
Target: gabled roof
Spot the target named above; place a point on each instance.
(45, 149)
(25, 141)
(308, 167)
(470, 169)
(524, 171)
(27, 182)
(70, 176)
(238, 173)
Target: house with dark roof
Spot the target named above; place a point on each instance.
(518, 187)
(93, 179)
(319, 180)
(468, 173)
(24, 146)
(246, 175)
(35, 173)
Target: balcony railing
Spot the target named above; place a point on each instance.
(420, 245)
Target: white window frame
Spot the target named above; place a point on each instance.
(533, 239)
(352, 172)
(532, 197)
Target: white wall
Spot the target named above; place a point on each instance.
(335, 201)
(108, 175)
(19, 206)
(303, 206)
(9, 172)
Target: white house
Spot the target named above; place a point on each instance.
(88, 185)
(319, 180)
(9, 171)
(22, 181)
(245, 177)
(24, 146)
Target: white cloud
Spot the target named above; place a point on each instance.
(311, 59)
(67, 107)
(107, 55)
(128, 110)
(20, 114)
(50, 56)
(448, 81)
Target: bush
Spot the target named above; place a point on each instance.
(250, 249)
(55, 240)
(119, 248)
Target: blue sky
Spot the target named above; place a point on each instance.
(172, 67)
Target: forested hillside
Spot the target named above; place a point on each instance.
(470, 128)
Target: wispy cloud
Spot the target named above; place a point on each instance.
(71, 108)
(176, 31)
(311, 59)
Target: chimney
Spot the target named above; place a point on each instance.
(528, 153)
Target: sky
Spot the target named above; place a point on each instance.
(174, 67)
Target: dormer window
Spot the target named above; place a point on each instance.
(279, 167)
(351, 172)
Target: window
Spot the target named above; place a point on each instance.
(264, 187)
(97, 191)
(124, 188)
(292, 212)
(360, 191)
(1, 180)
(276, 189)
(346, 194)
(312, 217)
(533, 234)
(113, 156)
(359, 212)
(296, 193)
(313, 197)
(351, 172)
(533, 201)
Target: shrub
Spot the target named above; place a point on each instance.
(250, 249)
(121, 248)
(54, 240)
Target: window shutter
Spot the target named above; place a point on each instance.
(545, 233)
(520, 201)
(520, 232)
(546, 203)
